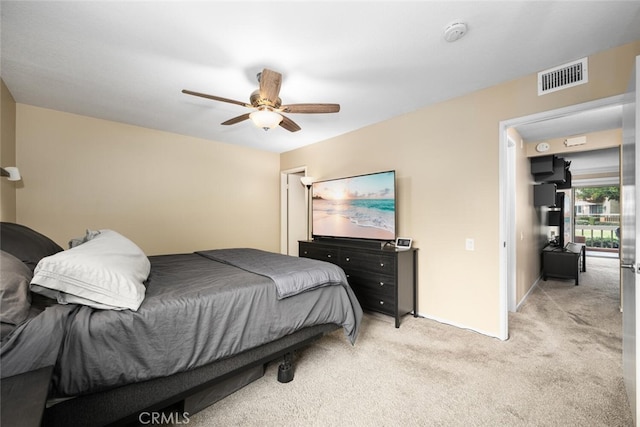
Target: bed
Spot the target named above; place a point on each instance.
(206, 323)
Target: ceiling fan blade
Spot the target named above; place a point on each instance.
(215, 98)
(270, 82)
(235, 120)
(311, 108)
(289, 124)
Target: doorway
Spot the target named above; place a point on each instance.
(507, 192)
(293, 210)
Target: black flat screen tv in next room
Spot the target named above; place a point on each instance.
(356, 207)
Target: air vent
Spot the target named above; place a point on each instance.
(563, 77)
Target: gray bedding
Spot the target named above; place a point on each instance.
(196, 310)
(291, 275)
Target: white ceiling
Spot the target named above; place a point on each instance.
(129, 61)
(604, 161)
(587, 162)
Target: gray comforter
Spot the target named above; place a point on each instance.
(291, 275)
(196, 310)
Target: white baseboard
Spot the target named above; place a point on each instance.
(480, 331)
(524, 298)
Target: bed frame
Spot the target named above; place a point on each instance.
(184, 392)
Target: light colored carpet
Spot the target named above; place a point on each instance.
(561, 366)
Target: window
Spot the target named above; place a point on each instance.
(597, 217)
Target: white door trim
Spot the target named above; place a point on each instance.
(510, 213)
(284, 210)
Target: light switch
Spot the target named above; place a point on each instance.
(470, 245)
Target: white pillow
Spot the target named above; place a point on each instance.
(106, 272)
(90, 234)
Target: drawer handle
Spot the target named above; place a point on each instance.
(381, 302)
(381, 283)
(328, 256)
(347, 259)
(381, 264)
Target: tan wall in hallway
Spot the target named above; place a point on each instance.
(595, 141)
(168, 193)
(528, 223)
(447, 162)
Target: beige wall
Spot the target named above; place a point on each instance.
(7, 153)
(447, 162)
(168, 193)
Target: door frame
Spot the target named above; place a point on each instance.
(507, 234)
(629, 250)
(510, 217)
(284, 206)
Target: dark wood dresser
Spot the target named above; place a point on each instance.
(564, 263)
(384, 280)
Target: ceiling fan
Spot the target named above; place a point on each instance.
(268, 106)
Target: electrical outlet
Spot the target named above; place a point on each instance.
(469, 245)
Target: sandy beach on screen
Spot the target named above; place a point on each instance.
(329, 225)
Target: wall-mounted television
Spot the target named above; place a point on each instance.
(356, 207)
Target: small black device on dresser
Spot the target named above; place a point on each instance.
(382, 277)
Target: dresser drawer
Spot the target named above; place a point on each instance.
(370, 262)
(375, 301)
(373, 282)
(319, 253)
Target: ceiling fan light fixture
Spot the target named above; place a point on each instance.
(265, 118)
(267, 105)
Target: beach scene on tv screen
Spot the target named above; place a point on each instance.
(358, 207)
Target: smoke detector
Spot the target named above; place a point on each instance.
(455, 31)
